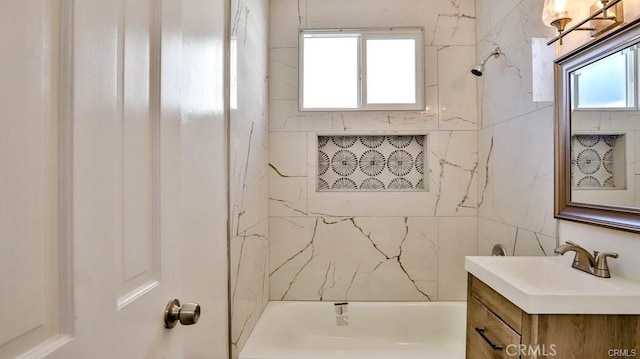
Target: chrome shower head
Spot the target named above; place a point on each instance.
(478, 70)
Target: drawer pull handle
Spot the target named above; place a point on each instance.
(480, 331)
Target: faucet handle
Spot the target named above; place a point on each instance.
(602, 267)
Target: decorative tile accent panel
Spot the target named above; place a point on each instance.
(371, 163)
(597, 162)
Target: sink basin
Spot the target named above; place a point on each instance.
(548, 285)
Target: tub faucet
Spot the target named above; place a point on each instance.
(595, 264)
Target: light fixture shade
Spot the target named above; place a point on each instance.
(555, 10)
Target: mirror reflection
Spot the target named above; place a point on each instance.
(605, 131)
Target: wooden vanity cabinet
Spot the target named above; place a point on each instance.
(496, 328)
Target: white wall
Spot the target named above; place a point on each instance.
(374, 246)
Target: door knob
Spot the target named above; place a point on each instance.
(187, 314)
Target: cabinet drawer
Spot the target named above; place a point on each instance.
(484, 329)
(499, 305)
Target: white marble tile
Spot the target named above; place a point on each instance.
(517, 241)
(453, 163)
(283, 73)
(248, 170)
(369, 203)
(456, 25)
(529, 243)
(485, 165)
(431, 83)
(457, 88)
(483, 18)
(284, 116)
(248, 122)
(491, 233)
(391, 258)
(286, 18)
(507, 82)
(249, 176)
(369, 121)
(287, 174)
(287, 195)
(249, 254)
(588, 121)
(542, 69)
(521, 172)
(503, 8)
(288, 153)
(457, 238)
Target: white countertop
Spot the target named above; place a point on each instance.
(548, 285)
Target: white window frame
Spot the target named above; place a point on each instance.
(416, 33)
(632, 90)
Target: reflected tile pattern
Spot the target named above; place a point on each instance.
(597, 162)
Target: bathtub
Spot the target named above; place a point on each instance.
(391, 330)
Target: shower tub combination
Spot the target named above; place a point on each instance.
(359, 330)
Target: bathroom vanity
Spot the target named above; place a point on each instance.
(536, 307)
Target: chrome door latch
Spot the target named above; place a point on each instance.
(187, 314)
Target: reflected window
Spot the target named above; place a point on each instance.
(361, 69)
(608, 83)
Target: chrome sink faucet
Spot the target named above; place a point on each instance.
(595, 264)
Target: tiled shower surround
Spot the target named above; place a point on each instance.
(358, 244)
(371, 163)
(515, 138)
(249, 217)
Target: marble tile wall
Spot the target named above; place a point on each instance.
(515, 140)
(248, 170)
(374, 246)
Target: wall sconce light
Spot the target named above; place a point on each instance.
(558, 13)
(610, 18)
(605, 14)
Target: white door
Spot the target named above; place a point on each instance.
(97, 203)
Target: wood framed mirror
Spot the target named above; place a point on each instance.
(597, 134)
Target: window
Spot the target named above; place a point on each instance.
(608, 83)
(347, 70)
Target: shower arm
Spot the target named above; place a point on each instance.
(495, 53)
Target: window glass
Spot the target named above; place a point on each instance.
(372, 69)
(607, 83)
(330, 72)
(391, 71)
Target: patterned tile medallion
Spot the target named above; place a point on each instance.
(593, 161)
(371, 163)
